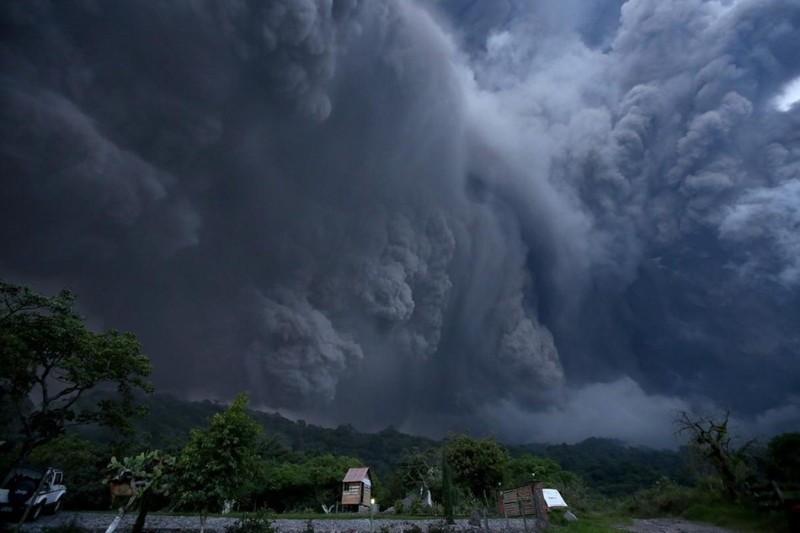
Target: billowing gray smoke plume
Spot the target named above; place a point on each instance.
(545, 219)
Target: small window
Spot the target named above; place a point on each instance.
(59, 476)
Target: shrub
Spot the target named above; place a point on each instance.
(556, 517)
(252, 524)
(665, 498)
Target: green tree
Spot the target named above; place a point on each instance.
(151, 473)
(307, 481)
(50, 360)
(524, 469)
(476, 464)
(219, 461)
(420, 468)
(783, 456)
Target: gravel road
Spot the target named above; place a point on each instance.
(669, 525)
(98, 522)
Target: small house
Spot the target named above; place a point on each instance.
(357, 489)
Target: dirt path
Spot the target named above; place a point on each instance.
(670, 525)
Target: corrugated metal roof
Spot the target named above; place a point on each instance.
(356, 474)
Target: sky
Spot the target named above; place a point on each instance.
(541, 220)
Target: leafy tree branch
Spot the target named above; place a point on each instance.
(51, 360)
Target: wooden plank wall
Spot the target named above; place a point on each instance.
(519, 501)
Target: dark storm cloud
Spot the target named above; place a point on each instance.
(674, 146)
(331, 204)
(285, 177)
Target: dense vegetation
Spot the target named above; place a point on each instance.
(302, 464)
(204, 456)
(609, 467)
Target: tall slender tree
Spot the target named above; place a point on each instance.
(447, 490)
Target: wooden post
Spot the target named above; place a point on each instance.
(123, 510)
(486, 510)
(538, 502)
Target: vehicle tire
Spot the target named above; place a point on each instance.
(35, 512)
(20, 491)
(54, 507)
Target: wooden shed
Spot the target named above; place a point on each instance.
(524, 501)
(356, 489)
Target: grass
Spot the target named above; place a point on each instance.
(731, 517)
(740, 517)
(593, 523)
(704, 504)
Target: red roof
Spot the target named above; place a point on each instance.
(356, 474)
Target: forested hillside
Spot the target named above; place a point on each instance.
(614, 468)
(287, 466)
(607, 466)
(169, 420)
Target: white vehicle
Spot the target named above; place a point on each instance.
(40, 489)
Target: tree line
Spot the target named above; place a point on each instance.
(60, 376)
(77, 399)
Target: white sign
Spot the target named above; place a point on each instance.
(553, 498)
